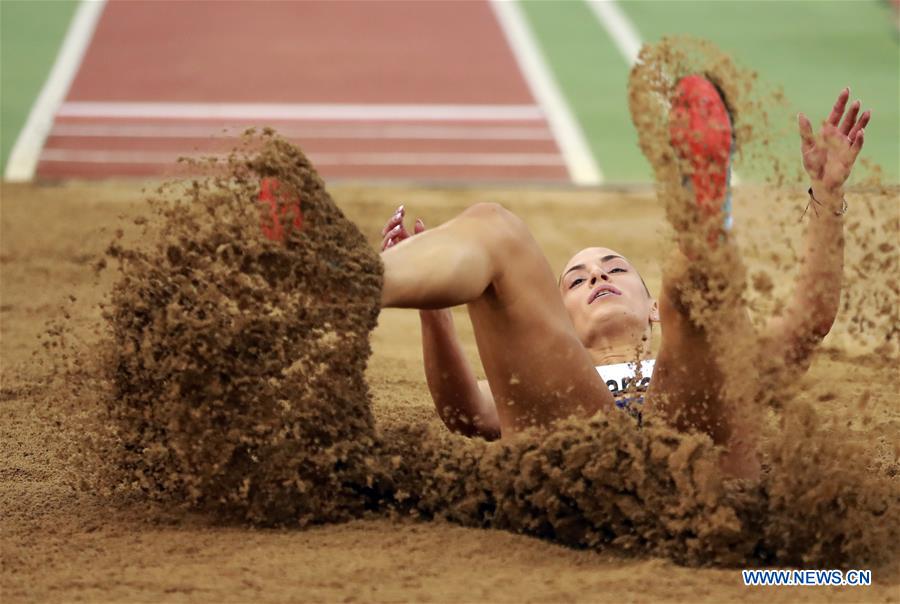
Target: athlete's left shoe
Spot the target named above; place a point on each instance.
(700, 131)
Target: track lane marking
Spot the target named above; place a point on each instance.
(354, 131)
(23, 158)
(580, 161)
(325, 159)
(299, 111)
(619, 27)
(626, 37)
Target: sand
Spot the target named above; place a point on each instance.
(60, 544)
(226, 384)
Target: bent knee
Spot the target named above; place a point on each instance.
(502, 228)
(492, 212)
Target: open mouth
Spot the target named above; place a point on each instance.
(603, 291)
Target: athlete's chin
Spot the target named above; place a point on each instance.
(614, 313)
(610, 305)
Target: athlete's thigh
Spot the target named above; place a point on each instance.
(695, 382)
(687, 383)
(537, 368)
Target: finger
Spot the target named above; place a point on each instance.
(862, 123)
(394, 221)
(833, 138)
(857, 145)
(393, 232)
(397, 231)
(419, 226)
(838, 110)
(400, 234)
(806, 132)
(394, 240)
(850, 118)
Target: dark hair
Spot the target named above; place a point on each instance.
(646, 289)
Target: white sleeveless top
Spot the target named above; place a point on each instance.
(620, 376)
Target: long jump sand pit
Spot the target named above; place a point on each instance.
(62, 543)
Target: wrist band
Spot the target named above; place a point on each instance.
(815, 202)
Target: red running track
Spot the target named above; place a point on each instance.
(369, 90)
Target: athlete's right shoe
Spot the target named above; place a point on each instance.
(700, 131)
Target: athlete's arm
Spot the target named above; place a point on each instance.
(464, 404)
(828, 159)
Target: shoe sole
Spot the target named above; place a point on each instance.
(700, 131)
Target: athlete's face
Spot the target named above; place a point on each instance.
(602, 291)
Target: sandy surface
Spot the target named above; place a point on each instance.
(62, 546)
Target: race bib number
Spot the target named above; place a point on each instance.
(626, 384)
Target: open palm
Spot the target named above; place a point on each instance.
(829, 157)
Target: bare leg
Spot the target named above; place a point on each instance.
(704, 378)
(537, 368)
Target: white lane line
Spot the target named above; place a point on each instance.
(325, 159)
(625, 36)
(349, 131)
(299, 111)
(619, 27)
(582, 164)
(23, 158)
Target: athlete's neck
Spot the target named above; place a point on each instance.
(609, 353)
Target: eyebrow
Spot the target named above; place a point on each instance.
(581, 266)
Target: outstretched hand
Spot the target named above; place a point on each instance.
(829, 157)
(394, 231)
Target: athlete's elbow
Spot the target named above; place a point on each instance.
(820, 316)
(488, 433)
(471, 430)
(822, 322)
(803, 339)
(822, 329)
(470, 427)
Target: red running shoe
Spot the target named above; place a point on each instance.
(273, 210)
(700, 132)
